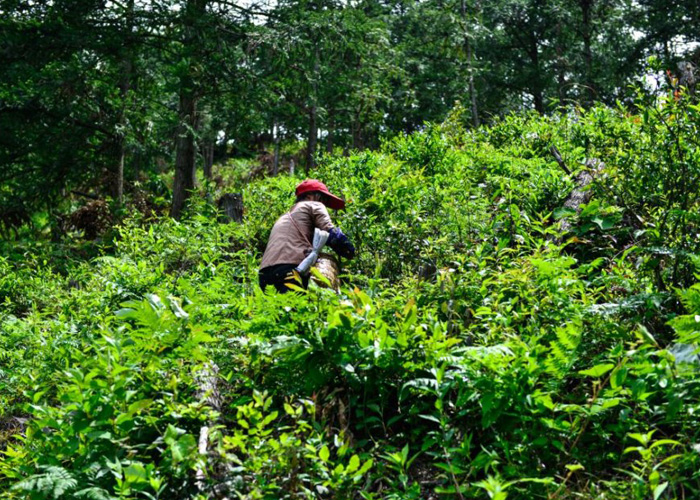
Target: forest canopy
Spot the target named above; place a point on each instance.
(96, 96)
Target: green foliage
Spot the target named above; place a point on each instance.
(289, 460)
(98, 99)
(476, 348)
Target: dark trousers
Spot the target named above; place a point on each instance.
(279, 275)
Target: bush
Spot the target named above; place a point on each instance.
(475, 348)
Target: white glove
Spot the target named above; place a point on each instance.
(320, 238)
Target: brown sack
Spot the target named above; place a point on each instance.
(329, 267)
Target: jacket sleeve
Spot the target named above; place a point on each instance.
(320, 217)
(341, 244)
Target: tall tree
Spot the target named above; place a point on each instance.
(193, 36)
(210, 31)
(59, 98)
(669, 28)
(467, 25)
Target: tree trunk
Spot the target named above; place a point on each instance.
(208, 394)
(208, 157)
(687, 77)
(222, 152)
(119, 173)
(586, 9)
(312, 140)
(580, 195)
(470, 61)
(536, 84)
(472, 86)
(331, 131)
(136, 161)
(357, 142)
(185, 157)
(276, 159)
(231, 207)
(539, 101)
(124, 87)
(185, 160)
(561, 69)
(313, 117)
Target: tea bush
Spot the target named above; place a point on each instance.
(475, 350)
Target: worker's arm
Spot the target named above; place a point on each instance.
(340, 243)
(320, 216)
(336, 239)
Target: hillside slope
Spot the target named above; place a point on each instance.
(475, 350)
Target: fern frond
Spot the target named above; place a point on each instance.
(562, 351)
(570, 335)
(53, 483)
(94, 493)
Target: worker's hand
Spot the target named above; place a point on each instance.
(340, 243)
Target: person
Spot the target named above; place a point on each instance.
(292, 235)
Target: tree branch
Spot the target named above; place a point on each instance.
(557, 156)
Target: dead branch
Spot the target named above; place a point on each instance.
(557, 156)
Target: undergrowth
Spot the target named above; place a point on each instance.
(475, 349)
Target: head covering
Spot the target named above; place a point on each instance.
(331, 200)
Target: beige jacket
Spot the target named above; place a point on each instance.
(287, 244)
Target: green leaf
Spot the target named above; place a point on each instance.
(598, 370)
(643, 439)
(155, 302)
(610, 403)
(183, 448)
(320, 277)
(432, 418)
(136, 473)
(515, 214)
(365, 467)
(353, 465)
(590, 209)
(643, 333)
(618, 377)
(604, 223)
(126, 313)
(560, 213)
(171, 434)
(176, 308)
(658, 491)
(664, 442)
(139, 405)
(494, 487)
(324, 454)
(269, 418)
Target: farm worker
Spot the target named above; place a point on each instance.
(291, 237)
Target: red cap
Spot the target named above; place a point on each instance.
(331, 201)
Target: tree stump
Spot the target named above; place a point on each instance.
(230, 206)
(581, 195)
(208, 395)
(687, 76)
(329, 267)
(207, 150)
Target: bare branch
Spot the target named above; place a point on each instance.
(557, 156)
